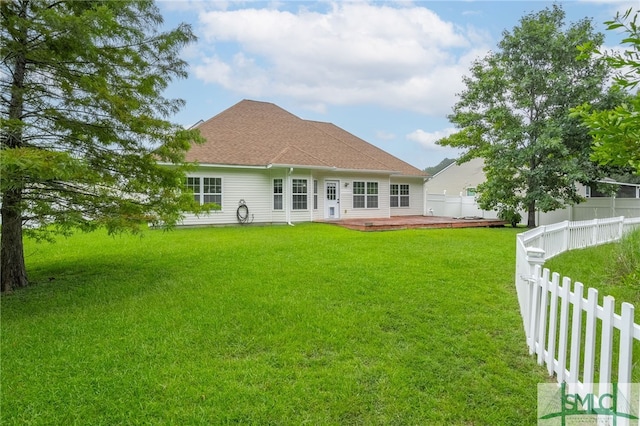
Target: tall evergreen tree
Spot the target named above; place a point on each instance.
(84, 121)
(514, 113)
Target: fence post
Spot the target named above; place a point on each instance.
(613, 205)
(620, 228)
(535, 256)
(626, 356)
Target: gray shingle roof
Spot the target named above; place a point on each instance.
(252, 133)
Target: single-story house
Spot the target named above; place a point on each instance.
(263, 164)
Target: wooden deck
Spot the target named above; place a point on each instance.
(415, 222)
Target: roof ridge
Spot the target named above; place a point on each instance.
(239, 104)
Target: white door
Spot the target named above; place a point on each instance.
(332, 200)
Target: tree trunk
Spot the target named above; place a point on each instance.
(531, 216)
(12, 266)
(13, 273)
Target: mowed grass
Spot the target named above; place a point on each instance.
(311, 324)
(614, 270)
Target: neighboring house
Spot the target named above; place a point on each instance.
(463, 179)
(451, 192)
(622, 189)
(458, 179)
(285, 169)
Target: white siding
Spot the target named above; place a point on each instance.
(455, 179)
(255, 187)
(322, 177)
(416, 197)
(416, 194)
(346, 197)
(299, 215)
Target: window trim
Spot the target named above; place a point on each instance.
(277, 194)
(198, 191)
(212, 194)
(303, 195)
(399, 197)
(193, 183)
(366, 195)
(315, 194)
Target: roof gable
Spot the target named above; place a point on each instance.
(252, 133)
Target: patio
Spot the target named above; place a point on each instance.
(416, 222)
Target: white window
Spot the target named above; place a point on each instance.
(399, 195)
(365, 195)
(315, 194)
(299, 194)
(212, 190)
(277, 194)
(193, 185)
(206, 189)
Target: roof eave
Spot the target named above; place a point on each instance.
(302, 166)
(229, 166)
(613, 182)
(335, 169)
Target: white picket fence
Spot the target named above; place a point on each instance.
(556, 318)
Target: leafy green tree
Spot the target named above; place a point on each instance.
(616, 131)
(514, 113)
(84, 122)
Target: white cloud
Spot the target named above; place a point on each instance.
(429, 139)
(353, 53)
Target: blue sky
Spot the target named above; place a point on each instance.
(386, 71)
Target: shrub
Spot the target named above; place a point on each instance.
(626, 260)
(510, 215)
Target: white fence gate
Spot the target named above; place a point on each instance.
(556, 318)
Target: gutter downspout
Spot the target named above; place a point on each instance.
(424, 197)
(289, 183)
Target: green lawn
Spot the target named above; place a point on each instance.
(613, 269)
(311, 324)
